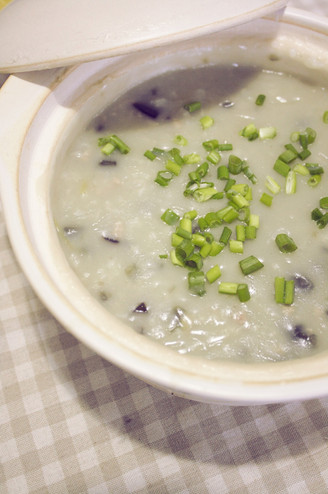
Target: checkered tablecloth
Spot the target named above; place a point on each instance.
(70, 422)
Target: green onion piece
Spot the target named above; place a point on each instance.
(234, 164)
(206, 122)
(214, 157)
(223, 172)
(213, 274)
(260, 99)
(205, 250)
(186, 224)
(325, 117)
(193, 106)
(184, 250)
(176, 240)
(163, 256)
(175, 153)
(163, 178)
(295, 136)
(202, 195)
(229, 184)
(266, 199)
(290, 187)
(314, 180)
(314, 168)
(279, 289)
(285, 243)
(216, 248)
(240, 201)
(225, 235)
(287, 156)
(240, 189)
(311, 135)
(241, 232)
(291, 148)
(243, 292)
(303, 140)
(324, 202)
(272, 185)
(191, 159)
(236, 246)
(174, 259)
(158, 151)
(194, 261)
(196, 282)
(202, 223)
(228, 288)
(249, 174)
(267, 133)
(289, 292)
(211, 144)
(108, 148)
(170, 217)
(250, 132)
(250, 232)
(254, 220)
(250, 265)
(183, 233)
(281, 167)
(323, 221)
(150, 155)
(191, 214)
(304, 154)
(212, 219)
(179, 140)
(301, 170)
(198, 239)
(230, 215)
(119, 144)
(173, 167)
(225, 147)
(316, 214)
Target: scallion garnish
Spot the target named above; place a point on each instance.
(325, 117)
(281, 167)
(236, 246)
(285, 243)
(206, 122)
(235, 164)
(213, 274)
(179, 140)
(266, 199)
(228, 288)
(314, 180)
(260, 99)
(250, 265)
(163, 178)
(250, 132)
(284, 290)
(191, 159)
(170, 217)
(243, 292)
(290, 187)
(196, 281)
(193, 106)
(150, 155)
(223, 172)
(211, 144)
(324, 202)
(225, 235)
(267, 133)
(173, 167)
(272, 185)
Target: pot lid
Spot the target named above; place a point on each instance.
(39, 34)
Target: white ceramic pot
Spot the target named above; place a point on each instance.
(37, 111)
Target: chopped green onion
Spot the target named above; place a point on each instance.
(186, 224)
(240, 232)
(266, 199)
(316, 214)
(295, 136)
(250, 132)
(216, 248)
(254, 220)
(119, 144)
(250, 232)
(183, 233)
(179, 140)
(211, 144)
(225, 147)
(191, 159)
(184, 250)
(163, 178)
(193, 106)
(301, 169)
(170, 217)
(198, 239)
(291, 182)
(214, 157)
(243, 292)
(260, 99)
(314, 168)
(174, 259)
(213, 274)
(250, 265)
(285, 243)
(272, 185)
(205, 250)
(281, 167)
(324, 202)
(236, 246)
(173, 167)
(225, 235)
(228, 288)
(163, 256)
(284, 290)
(204, 194)
(108, 148)
(288, 156)
(304, 154)
(323, 221)
(314, 180)
(191, 214)
(223, 172)
(175, 153)
(150, 155)
(235, 164)
(176, 240)
(206, 122)
(194, 261)
(325, 117)
(267, 133)
(196, 282)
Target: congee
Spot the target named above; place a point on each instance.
(194, 208)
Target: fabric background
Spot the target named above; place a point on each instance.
(70, 422)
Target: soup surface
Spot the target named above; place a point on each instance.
(180, 277)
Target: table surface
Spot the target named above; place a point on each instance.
(73, 423)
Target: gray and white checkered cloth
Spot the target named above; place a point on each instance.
(70, 422)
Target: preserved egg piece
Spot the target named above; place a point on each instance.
(108, 238)
(302, 283)
(300, 333)
(141, 308)
(146, 109)
(108, 163)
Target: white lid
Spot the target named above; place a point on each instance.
(40, 34)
